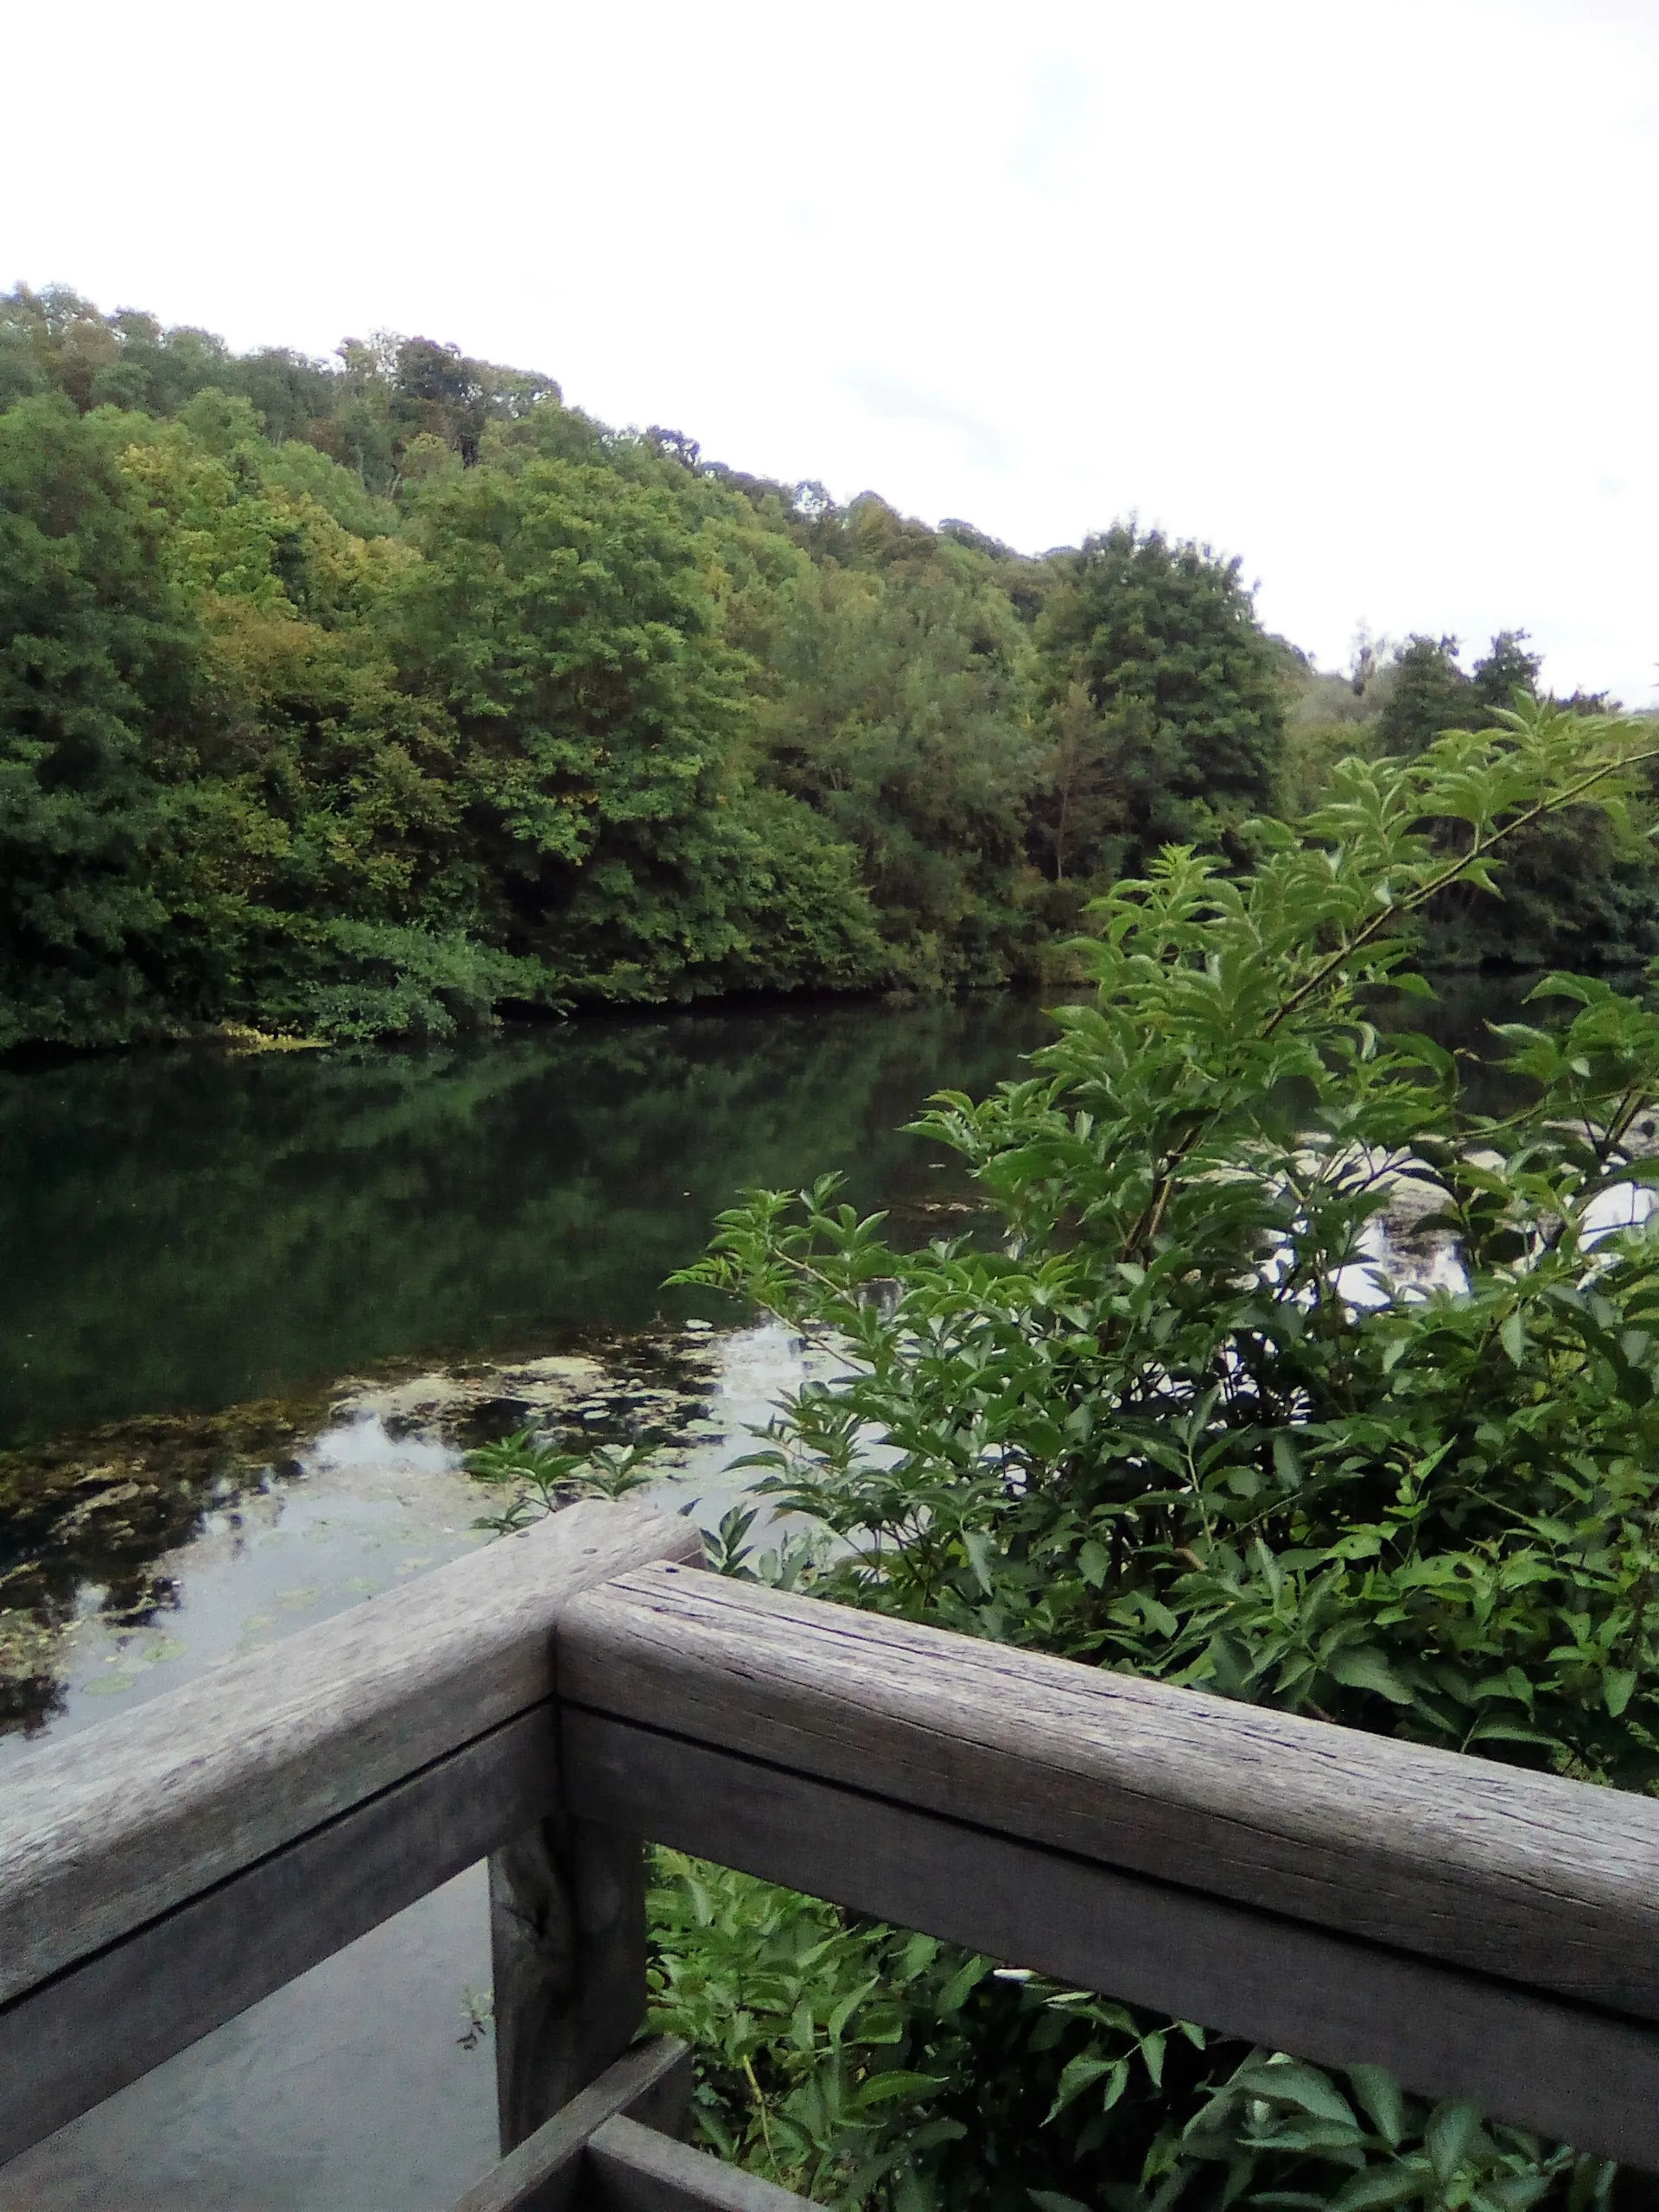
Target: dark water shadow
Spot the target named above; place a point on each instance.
(185, 1231)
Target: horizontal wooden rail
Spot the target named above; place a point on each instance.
(611, 2150)
(634, 2169)
(1481, 1931)
(163, 1872)
(650, 2083)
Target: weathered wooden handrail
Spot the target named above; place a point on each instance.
(611, 2149)
(163, 1872)
(1481, 1931)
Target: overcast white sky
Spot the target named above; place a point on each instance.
(1364, 293)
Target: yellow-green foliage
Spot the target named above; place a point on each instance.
(374, 696)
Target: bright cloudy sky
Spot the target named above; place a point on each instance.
(1364, 293)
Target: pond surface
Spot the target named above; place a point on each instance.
(250, 1311)
(186, 1231)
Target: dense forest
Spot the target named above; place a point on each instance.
(373, 696)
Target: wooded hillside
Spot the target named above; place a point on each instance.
(370, 697)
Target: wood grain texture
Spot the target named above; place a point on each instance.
(112, 1827)
(568, 1949)
(1550, 1883)
(1581, 2077)
(635, 2170)
(69, 2044)
(650, 2083)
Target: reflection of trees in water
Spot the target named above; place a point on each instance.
(183, 1229)
(101, 1507)
(86, 1516)
(1465, 1002)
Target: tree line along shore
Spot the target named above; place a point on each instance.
(382, 695)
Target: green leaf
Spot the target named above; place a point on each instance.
(1080, 2073)
(1379, 2095)
(1450, 2135)
(981, 1553)
(1616, 1685)
(836, 2026)
(965, 1980)
(1508, 1732)
(1290, 2083)
(919, 1954)
(1377, 2185)
(897, 2083)
(931, 2132)
(1363, 1666)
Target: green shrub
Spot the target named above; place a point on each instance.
(1189, 1418)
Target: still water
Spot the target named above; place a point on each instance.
(185, 1230)
(183, 1233)
(338, 1238)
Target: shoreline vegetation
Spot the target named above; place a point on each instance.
(1186, 1418)
(385, 696)
(344, 702)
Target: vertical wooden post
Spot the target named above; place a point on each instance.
(567, 1945)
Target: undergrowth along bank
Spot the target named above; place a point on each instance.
(1157, 1426)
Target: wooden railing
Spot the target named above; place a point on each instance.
(554, 1698)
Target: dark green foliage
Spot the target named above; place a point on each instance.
(56, 342)
(1294, 1374)
(562, 620)
(848, 2061)
(281, 750)
(1575, 889)
(406, 693)
(351, 980)
(903, 714)
(95, 662)
(860, 2065)
(1166, 701)
(1505, 670)
(1428, 693)
(404, 402)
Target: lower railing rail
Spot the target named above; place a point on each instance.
(1483, 1932)
(612, 2147)
(556, 1697)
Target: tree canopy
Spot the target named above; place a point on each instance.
(1169, 706)
(374, 695)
